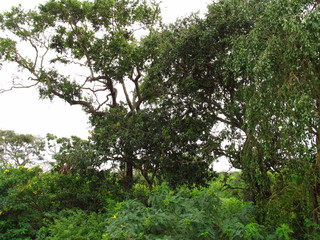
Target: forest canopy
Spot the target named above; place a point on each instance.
(165, 102)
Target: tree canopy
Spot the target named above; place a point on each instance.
(20, 149)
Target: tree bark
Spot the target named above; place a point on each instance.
(315, 206)
(128, 178)
(146, 177)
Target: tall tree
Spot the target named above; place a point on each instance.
(282, 54)
(85, 52)
(253, 67)
(100, 42)
(195, 64)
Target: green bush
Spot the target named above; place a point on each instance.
(187, 214)
(68, 191)
(77, 225)
(141, 192)
(29, 198)
(20, 209)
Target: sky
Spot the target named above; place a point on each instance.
(21, 109)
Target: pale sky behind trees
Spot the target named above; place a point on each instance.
(22, 111)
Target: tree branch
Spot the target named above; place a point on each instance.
(127, 96)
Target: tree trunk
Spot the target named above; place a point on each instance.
(147, 178)
(128, 178)
(256, 175)
(315, 206)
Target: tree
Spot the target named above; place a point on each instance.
(74, 155)
(281, 53)
(195, 64)
(83, 51)
(99, 40)
(20, 149)
(251, 67)
(163, 146)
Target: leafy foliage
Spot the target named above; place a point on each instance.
(20, 149)
(77, 224)
(74, 155)
(162, 146)
(196, 214)
(29, 198)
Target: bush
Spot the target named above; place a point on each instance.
(187, 214)
(29, 199)
(77, 225)
(20, 210)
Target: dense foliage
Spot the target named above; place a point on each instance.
(242, 83)
(36, 205)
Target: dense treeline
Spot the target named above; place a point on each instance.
(241, 83)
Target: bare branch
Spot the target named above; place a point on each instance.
(17, 86)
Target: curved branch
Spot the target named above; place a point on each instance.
(127, 96)
(18, 86)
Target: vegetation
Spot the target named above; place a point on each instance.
(241, 83)
(20, 149)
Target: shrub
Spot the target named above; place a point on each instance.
(187, 214)
(29, 199)
(77, 225)
(20, 213)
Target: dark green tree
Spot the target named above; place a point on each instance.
(281, 54)
(163, 146)
(194, 64)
